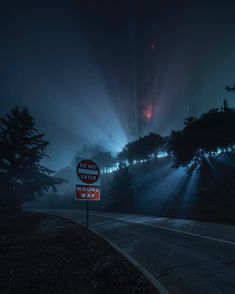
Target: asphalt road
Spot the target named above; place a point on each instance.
(184, 256)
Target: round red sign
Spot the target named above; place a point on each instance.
(88, 171)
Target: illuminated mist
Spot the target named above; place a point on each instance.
(105, 74)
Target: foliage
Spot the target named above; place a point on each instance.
(122, 191)
(142, 148)
(228, 88)
(203, 136)
(22, 148)
(104, 159)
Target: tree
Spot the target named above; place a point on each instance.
(141, 148)
(104, 158)
(122, 191)
(228, 88)
(202, 137)
(22, 147)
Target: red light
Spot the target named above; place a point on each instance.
(148, 114)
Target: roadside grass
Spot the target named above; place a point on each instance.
(49, 254)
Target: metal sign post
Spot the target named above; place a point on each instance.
(87, 214)
(87, 183)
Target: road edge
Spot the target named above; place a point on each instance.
(158, 285)
(169, 229)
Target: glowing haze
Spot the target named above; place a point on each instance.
(75, 64)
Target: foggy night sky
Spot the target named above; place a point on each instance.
(69, 63)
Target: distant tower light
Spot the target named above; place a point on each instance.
(148, 115)
(148, 112)
(153, 45)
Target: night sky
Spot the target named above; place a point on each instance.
(71, 63)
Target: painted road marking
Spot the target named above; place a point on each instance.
(168, 229)
(159, 286)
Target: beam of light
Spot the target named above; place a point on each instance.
(110, 169)
(227, 160)
(70, 96)
(115, 167)
(159, 170)
(202, 154)
(178, 194)
(158, 192)
(162, 189)
(162, 154)
(213, 168)
(188, 195)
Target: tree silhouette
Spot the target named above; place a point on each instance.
(104, 158)
(122, 191)
(141, 148)
(203, 136)
(22, 147)
(228, 88)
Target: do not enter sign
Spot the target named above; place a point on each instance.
(88, 171)
(88, 180)
(87, 183)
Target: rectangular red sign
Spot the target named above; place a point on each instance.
(84, 192)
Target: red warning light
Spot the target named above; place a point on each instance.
(153, 44)
(148, 113)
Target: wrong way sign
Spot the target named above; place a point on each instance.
(88, 180)
(87, 192)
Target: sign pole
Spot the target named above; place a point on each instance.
(87, 214)
(87, 183)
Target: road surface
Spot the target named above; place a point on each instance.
(184, 256)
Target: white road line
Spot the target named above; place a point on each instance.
(163, 228)
(145, 272)
(168, 229)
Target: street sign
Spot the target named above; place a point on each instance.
(88, 171)
(87, 192)
(88, 180)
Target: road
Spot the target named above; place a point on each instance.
(184, 256)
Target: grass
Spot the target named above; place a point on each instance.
(48, 254)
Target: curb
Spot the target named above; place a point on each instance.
(146, 273)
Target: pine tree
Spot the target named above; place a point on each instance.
(22, 147)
